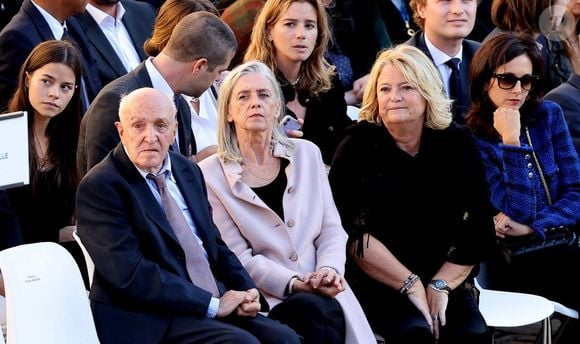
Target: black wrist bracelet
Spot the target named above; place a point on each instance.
(408, 283)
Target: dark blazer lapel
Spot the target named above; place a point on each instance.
(421, 44)
(101, 44)
(90, 68)
(37, 19)
(469, 49)
(138, 35)
(141, 189)
(187, 145)
(188, 184)
(140, 73)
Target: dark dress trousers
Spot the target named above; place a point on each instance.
(139, 18)
(24, 32)
(567, 95)
(98, 135)
(141, 289)
(469, 49)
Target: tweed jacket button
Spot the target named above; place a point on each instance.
(529, 165)
(528, 157)
(530, 175)
(294, 256)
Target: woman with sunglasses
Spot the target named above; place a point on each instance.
(515, 131)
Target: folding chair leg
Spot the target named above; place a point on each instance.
(545, 336)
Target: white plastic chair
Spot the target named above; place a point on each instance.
(567, 313)
(88, 259)
(511, 309)
(46, 300)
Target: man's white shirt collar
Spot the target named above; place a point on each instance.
(439, 57)
(100, 16)
(56, 27)
(165, 167)
(157, 80)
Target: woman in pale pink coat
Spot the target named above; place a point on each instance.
(273, 206)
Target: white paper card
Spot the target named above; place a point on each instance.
(14, 170)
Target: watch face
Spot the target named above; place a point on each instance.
(440, 284)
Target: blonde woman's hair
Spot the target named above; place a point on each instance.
(228, 147)
(316, 72)
(420, 72)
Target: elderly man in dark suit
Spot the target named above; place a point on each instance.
(445, 24)
(200, 48)
(117, 30)
(40, 21)
(162, 272)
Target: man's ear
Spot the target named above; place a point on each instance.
(119, 127)
(421, 10)
(199, 65)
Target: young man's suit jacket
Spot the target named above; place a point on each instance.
(139, 18)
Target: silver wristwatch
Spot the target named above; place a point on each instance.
(439, 285)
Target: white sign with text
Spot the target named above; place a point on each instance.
(14, 170)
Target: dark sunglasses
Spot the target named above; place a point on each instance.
(509, 81)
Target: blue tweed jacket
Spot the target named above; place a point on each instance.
(516, 187)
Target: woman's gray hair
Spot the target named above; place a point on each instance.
(420, 72)
(228, 148)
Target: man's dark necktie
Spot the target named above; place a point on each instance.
(83, 86)
(457, 91)
(195, 260)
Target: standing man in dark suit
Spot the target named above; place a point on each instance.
(36, 22)
(445, 24)
(117, 30)
(199, 50)
(145, 289)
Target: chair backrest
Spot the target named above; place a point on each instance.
(567, 311)
(88, 259)
(511, 309)
(46, 300)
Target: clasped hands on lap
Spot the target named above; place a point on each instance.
(325, 282)
(431, 303)
(244, 303)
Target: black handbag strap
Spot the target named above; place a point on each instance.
(542, 178)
